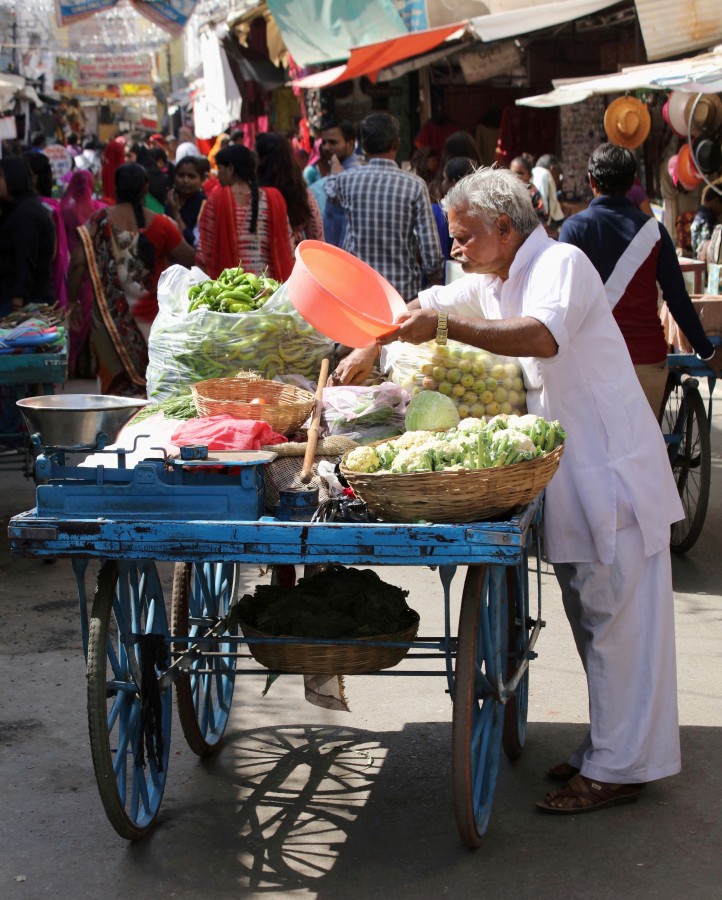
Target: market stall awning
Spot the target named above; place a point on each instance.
(670, 28)
(701, 73)
(370, 59)
(533, 17)
(322, 31)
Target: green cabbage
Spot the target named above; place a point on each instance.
(431, 411)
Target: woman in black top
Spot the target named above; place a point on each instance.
(27, 240)
(185, 201)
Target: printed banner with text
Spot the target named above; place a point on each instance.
(118, 69)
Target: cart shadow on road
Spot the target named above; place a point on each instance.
(343, 812)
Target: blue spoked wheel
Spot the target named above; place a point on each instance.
(129, 717)
(202, 594)
(515, 714)
(478, 716)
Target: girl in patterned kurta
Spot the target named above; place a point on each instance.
(244, 223)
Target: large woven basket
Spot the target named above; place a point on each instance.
(466, 495)
(286, 407)
(330, 659)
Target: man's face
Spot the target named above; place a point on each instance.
(480, 251)
(333, 142)
(520, 172)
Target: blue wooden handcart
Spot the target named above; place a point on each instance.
(209, 521)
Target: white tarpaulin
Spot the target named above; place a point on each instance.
(218, 103)
(696, 74)
(533, 17)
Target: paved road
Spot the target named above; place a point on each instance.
(309, 803)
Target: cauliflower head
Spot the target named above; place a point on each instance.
(363, 459)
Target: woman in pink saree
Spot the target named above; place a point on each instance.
(76, 207)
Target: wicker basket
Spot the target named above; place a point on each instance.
(330, 659)
(286, 407)
(466, 495)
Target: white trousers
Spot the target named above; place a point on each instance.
(622, 618)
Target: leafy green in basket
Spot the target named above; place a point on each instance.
(335, 603)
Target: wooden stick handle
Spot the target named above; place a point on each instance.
(307, 470)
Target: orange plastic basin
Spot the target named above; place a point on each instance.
(341, 296)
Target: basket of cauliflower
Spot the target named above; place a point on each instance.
(472, 471)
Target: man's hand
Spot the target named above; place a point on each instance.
(417, 327)
(336, 168)
(354, 368)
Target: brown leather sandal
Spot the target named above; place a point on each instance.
(587, 795)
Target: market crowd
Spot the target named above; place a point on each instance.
(574, 298)
(95, 241)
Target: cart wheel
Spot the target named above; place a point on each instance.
(684, 413)
(515, 713)
(478, 715)
(129, 732)
(202, 595)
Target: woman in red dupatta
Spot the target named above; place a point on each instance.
(242, 223)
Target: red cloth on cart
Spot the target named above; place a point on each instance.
(226, 433)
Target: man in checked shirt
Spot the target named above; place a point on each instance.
(390, 223)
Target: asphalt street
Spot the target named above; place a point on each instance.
(305, 802)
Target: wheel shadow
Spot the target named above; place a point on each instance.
(343, 812)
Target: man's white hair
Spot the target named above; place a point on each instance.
(487, 193)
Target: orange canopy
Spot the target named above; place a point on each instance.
(370, 59)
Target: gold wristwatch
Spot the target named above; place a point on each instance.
(442, 329)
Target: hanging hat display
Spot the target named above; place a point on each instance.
(627, 122)
(676, 112)
(706, 154)
(672, 169)
(703, 113)
(689, 176)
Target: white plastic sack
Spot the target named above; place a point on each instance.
(185, 348)
(365, 414)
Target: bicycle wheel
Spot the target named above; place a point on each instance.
(202, 594)
(515, 712)
(478, 715)
(129, 719)
(685, 417)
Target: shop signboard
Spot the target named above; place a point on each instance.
(69, 11)
(120, 68)
(483, 64)
(413, 14)
(171, 15)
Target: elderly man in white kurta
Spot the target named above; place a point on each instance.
(609, 508)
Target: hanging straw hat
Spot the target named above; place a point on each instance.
(689, 176)
(676, 107)
(706, 115)
(627, 122)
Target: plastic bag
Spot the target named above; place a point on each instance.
(480, 383)
(365, 414)
(188, 347)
